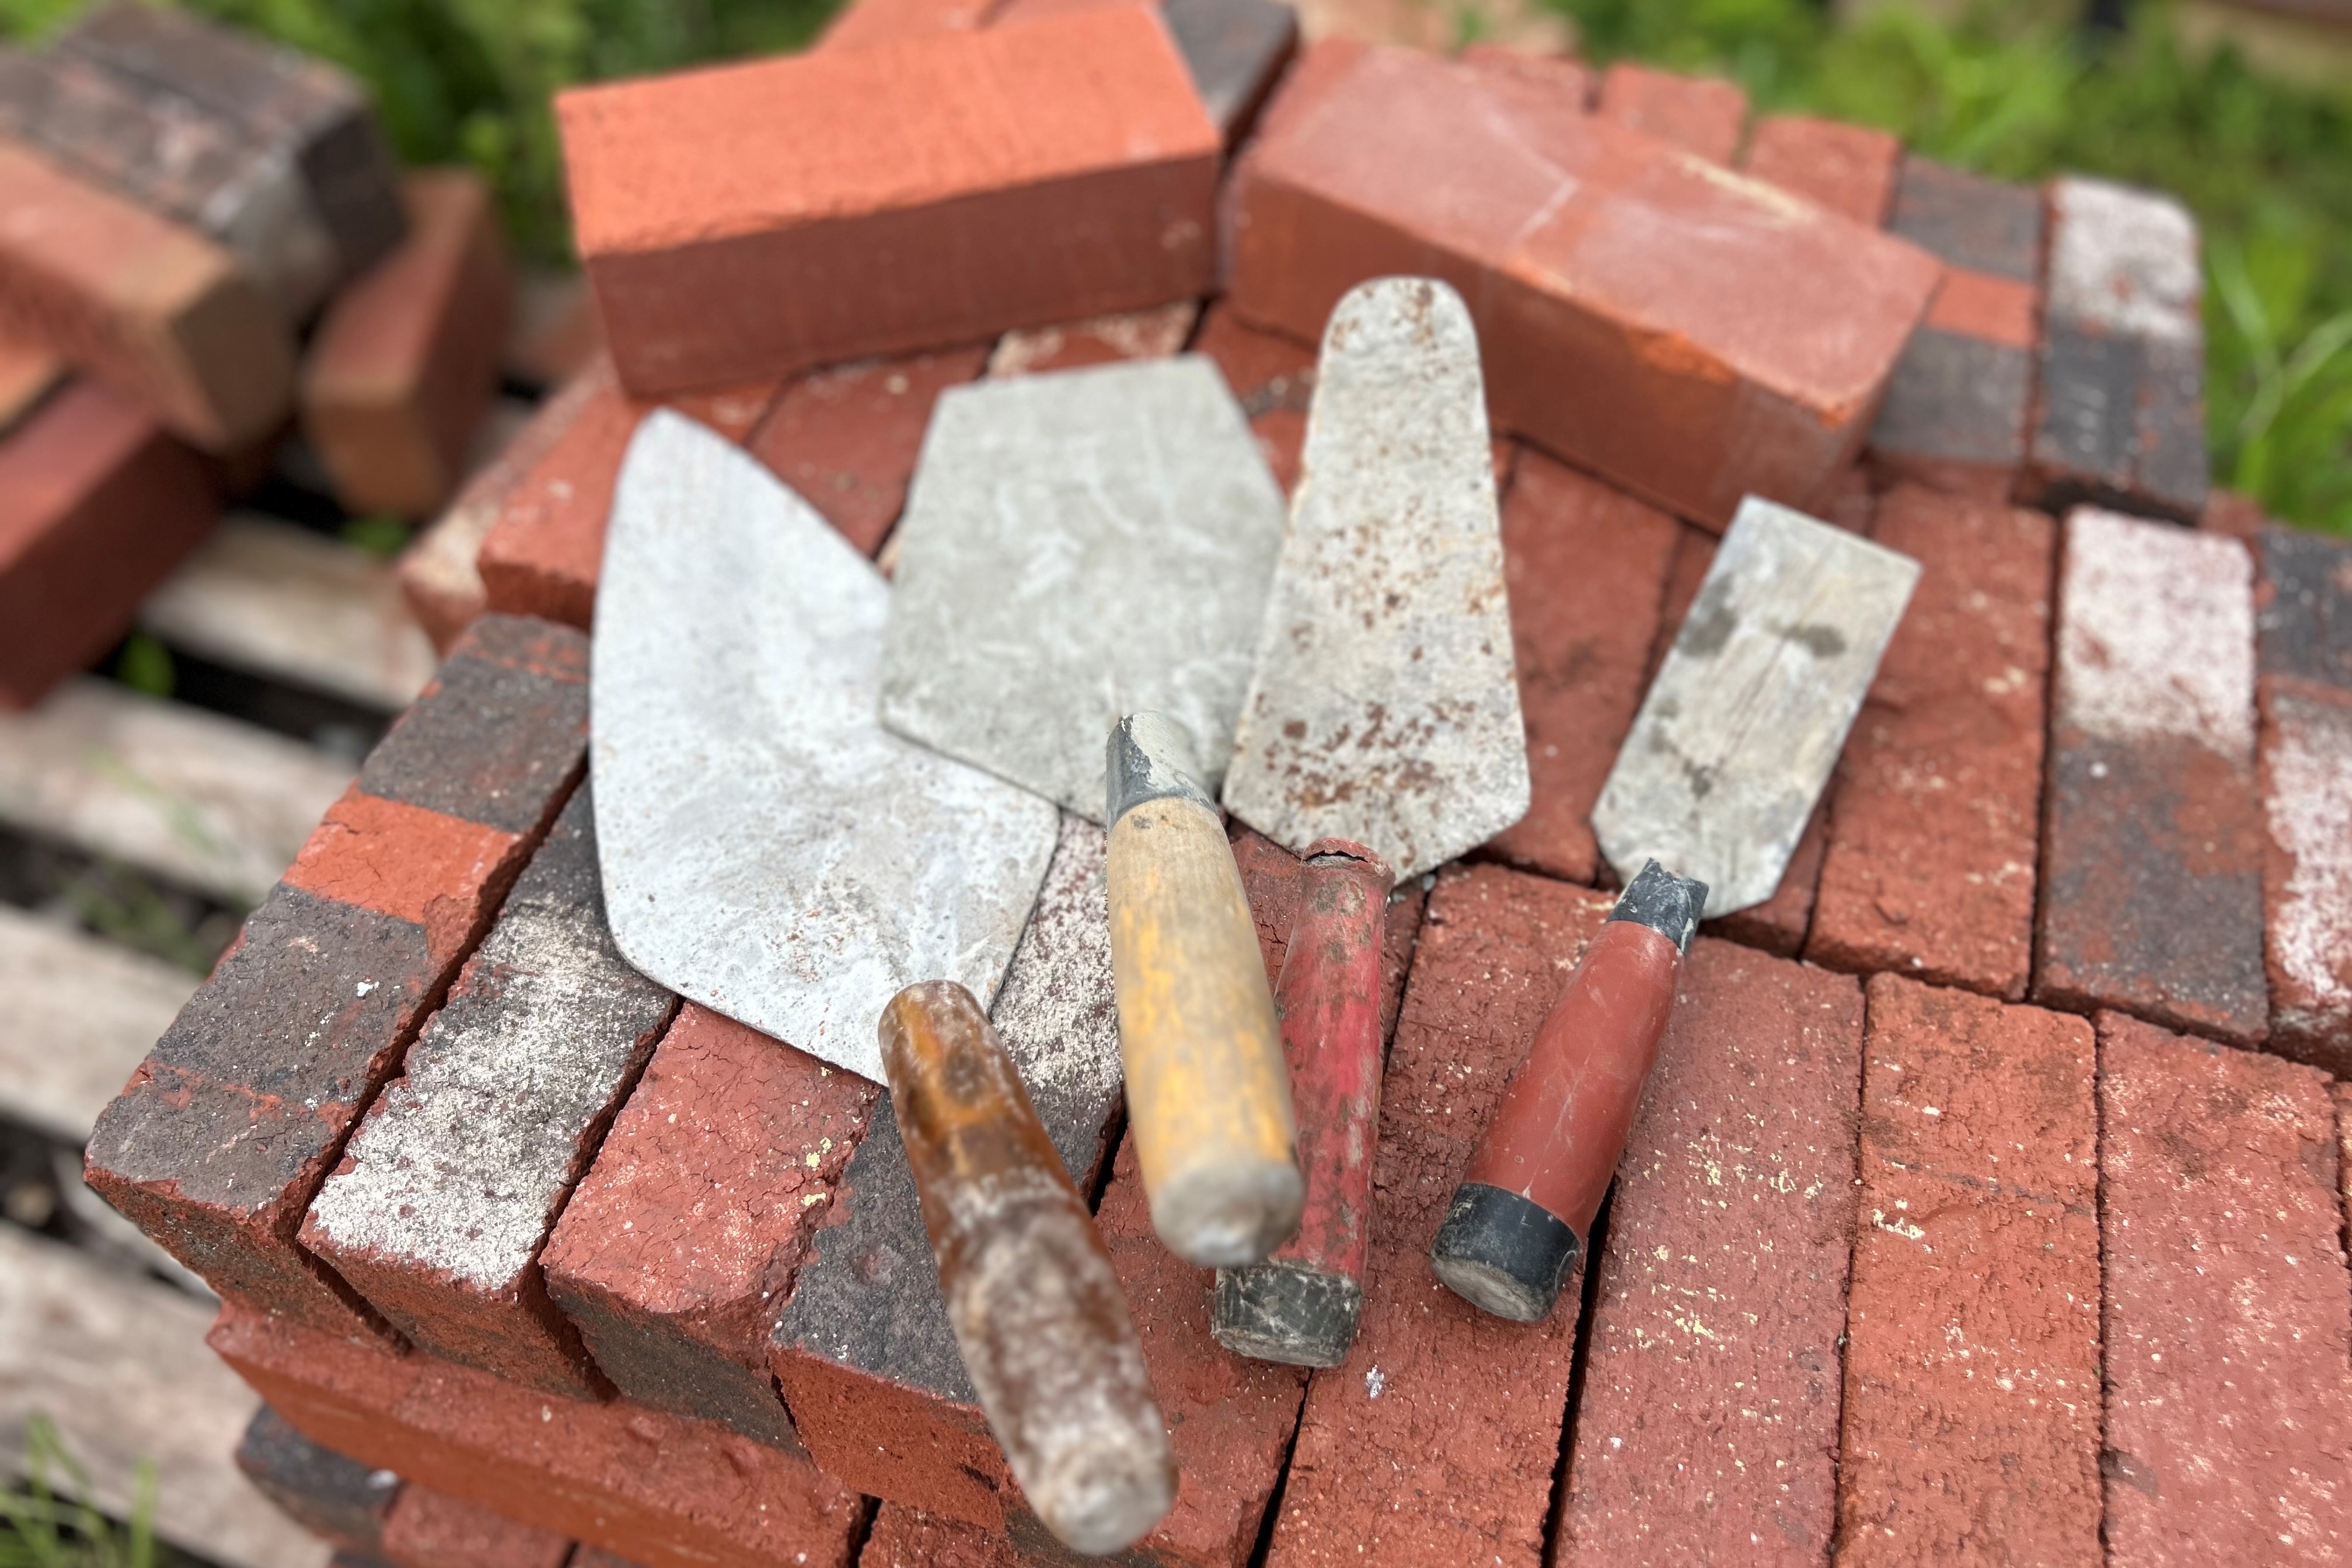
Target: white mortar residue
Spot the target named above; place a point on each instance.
(2123, 260)
(2156, 633)
(2310, 805)
(1057, 1013)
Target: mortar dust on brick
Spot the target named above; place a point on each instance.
(1971, 1420)
(675, 1256)
(2152, 837)
(1713, 1368)
(1436, 1441)
(1932, 834)
(2307, 764)
(448, 1190)
(2228, 1309)
(657, 1489)
(1152, 334)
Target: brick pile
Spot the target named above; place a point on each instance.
(1987, 1203)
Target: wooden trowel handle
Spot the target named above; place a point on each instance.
(1208, 1094)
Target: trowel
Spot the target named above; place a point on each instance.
(1380, 737)
(770, 850)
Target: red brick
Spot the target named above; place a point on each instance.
(97, 507)
(655, 1488)
(1701, 115)
(404, 362)
(676, 1255)
(1561, 76)
(1436, 1440)
(1586, 566)
(586, 1556)
(28, 374)
(1931, 870)
(862, 23)
(888, 198)
(1708, 1427)
(1971, 1420)
(907, 1537)
(2227, 1310)
(1849, 169)
(1272, 377)
(2240, 517)
(440, 873)
(153, 309)
(847, 438)
(1236, 50)
(543, 555)
(225, 1132)
(440, 572)
(331, 1495)
(2304, 611)
(552, 333)
(2152, 833)
(433, 1530)
(1583, 247)
(2306, 774)
(447, 1190)
(1101, 340)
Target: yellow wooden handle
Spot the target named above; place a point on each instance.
(1208, 1092)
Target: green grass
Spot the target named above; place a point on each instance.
(43, 1526)
(2014, 88)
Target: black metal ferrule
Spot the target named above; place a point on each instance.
(1503, 1253)
(1668, 904)
(1281, 1312)
(1150, 757)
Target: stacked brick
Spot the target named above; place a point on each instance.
(1962, 1222)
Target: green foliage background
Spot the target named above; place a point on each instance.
(2015, 88)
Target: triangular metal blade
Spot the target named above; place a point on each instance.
(768, 850)
(1385, 704)
(1078, 546)
(1745, 720)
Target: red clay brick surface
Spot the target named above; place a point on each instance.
(1849, 169)
(1099, 340)
(97, 507)
(1708, 1431)
(1931, 870)
(433, 1530)
(1586, 566)
(1436, 1440)
(1972, 1393)
(435, 870)
(1273, 377)
(543, 555)
(1041, 171)
(2229, 1315)
(1701, 115)
(675, 1256)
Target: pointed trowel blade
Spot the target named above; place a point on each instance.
(768, 850)
(1385, 705)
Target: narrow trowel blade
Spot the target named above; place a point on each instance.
(1385, 707)
(1079, 546)
(768, 850)
(1745, 720)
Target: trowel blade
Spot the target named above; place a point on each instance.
(1745, 720)
(1385, 705)
(768, 850)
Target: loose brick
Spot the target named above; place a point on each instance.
(868, 1365)
(2152, 836)
(97, 507)
(1708, 1427)
(28, 374)
(1701, 115)
(1956, 410)
(1849, 169)
(552, 335)
(432, 1529)
(847, 438)
(164, 154)
(1105, 339)
(153, 309)
(1436, 1441)
(676, 1255)
(2303, 610)
(862, 23)
(2306, 775)
(1271, 378)
(317, 116)
(1586, 566)
(907, 1537)
(1932, 841)
(2119, 415)
(1580, 246)
(224, 1134)
(440, 572)
(1066, 171)
(2228, 1311)
(1972, 1419)
(406, 362)
(543, 555)
(1236, 49)
(333, 1496)
(448, 1190)
(652, 1488)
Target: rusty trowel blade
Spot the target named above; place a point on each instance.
(1747, 716)
(1385, 707)
(768, 850)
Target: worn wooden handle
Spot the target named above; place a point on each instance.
(1208, 1094)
